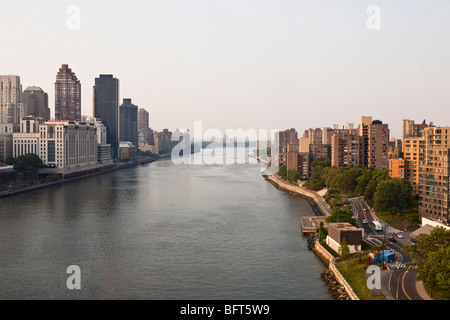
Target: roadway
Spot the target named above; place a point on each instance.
(399, 279)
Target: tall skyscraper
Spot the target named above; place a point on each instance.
(129, 122)
(11, 106)
(106, 108)
(67, 95)
(36, 102)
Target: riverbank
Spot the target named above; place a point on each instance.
(339, 288)
(39, 185)
(318, 204)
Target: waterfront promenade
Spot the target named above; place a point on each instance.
(320, 206)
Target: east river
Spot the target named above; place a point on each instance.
(159, 231)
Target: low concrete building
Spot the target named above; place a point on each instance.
(338, 231)
(127, 150)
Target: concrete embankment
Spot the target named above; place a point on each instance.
(339, 288)
(318, 204)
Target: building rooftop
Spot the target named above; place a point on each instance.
(33, 89)
(343, 226)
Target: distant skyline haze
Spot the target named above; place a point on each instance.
(241, 64)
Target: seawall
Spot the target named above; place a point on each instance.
(318, 204)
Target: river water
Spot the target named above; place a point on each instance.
(159, 231)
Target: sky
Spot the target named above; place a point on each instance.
(250, 64)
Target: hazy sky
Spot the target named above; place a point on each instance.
(242, 63)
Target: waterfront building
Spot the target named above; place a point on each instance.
(104, 148)
(287, 141)
(67, 95)
(163, 142)
(151, 137)
(377, 145)
(6, 146)
(129, 122)
(36, 102)
(127, 150)
(69, 146)
(298, 162)
(320, 150)
(106, 108)
(347, 149)
(143, 126)
(434, 184)
(27, 140)
(338, 231)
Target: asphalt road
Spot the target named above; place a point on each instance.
(401, 280)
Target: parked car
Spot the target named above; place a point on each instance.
(364, 221)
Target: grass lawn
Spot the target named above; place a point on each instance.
(406, 219)
(353, 272)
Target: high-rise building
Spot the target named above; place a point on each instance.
(36, 102)
(69, 146)
(143, 125)
(163, 141)
(410, 129)
(347, 149)
(315, 136)
(67, 95)
(106, 108)
(434, 184)
(11, 107)
(377, 145)
(129, 122)
(298, 162)
(288, 141)
(11, 110)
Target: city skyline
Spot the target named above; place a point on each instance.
(238, 65)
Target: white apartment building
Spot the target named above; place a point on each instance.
(68, 145)
(27, 140)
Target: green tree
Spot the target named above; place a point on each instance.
(393, 195)
(318, 170)
(371, 187)
(26, 162)
(362, 182)
(431, 257)
(341, 214)
(322, 232)
(282, 171)
(292, 176)
(344, 251)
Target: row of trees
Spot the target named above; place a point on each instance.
(289, 175)
(379, 190)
